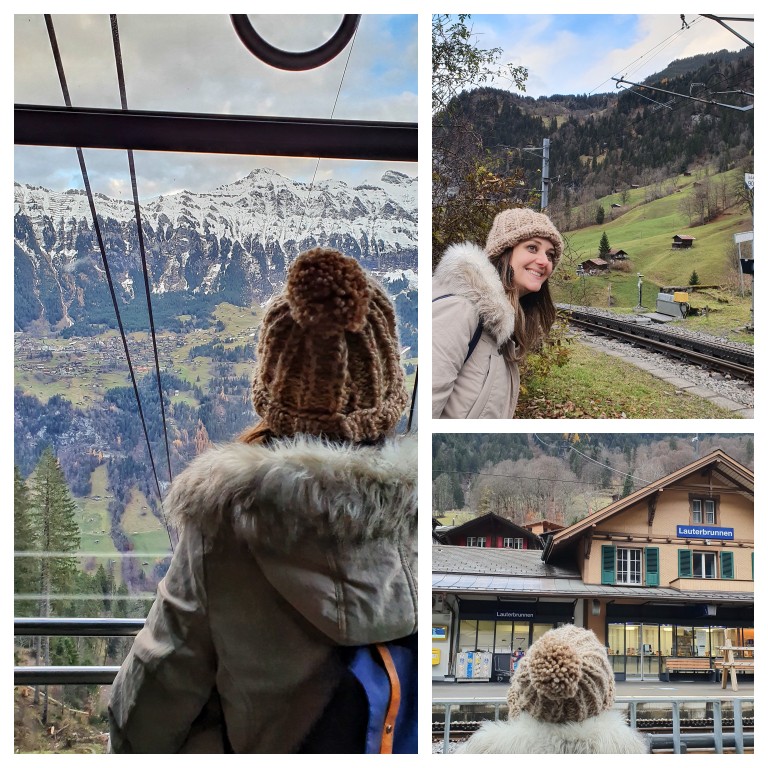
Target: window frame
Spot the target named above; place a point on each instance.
(702, 500)
(635, 562)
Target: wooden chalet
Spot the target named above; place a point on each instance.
(489, 530)
(682, 241)
(594, 265)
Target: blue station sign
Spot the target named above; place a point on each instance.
(704, 532)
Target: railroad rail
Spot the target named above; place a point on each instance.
(704, 723)
(713, 355)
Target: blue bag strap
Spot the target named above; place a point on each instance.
(387, 673)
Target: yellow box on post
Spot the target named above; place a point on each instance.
(680, 296)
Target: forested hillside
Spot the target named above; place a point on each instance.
(559, 477)
(607, 142)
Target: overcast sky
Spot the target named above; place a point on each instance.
(577, 54)
(196, 63)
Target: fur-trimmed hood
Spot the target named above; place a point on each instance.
(606, 733)
(333, 527)
(302, 487)
(465, 270)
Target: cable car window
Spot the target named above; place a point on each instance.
(186, 224)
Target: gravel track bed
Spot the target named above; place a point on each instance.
(668, 328)
(741, 392)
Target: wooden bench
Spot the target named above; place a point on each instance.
(694, 664)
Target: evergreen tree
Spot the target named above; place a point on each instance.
(600, 215)
(694, 278)
(24, 568)
(53, 516)
(628, 487)
(604, 247)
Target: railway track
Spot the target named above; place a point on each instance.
(713, 355)
(462, 730)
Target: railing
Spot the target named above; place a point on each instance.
(46, 675)
(677, 741)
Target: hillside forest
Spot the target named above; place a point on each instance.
(558, 477)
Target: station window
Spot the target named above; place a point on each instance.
(475, 541)
(704, 565)
(512, 543)
(703, 511)
(628, 569)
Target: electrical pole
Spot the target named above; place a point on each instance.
(544, 149)
(545, 175)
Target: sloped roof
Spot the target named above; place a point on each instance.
(501, 523)
(720, 463)
(485, 571)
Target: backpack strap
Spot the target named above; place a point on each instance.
(475, 336)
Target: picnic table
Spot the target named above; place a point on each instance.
(730, 664)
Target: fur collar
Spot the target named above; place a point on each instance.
(466, 271)
(300, 487)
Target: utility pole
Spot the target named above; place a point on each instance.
(544, 149)
(545, 175)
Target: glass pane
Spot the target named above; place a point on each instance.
(539, 630)
(522, 632)
(485, 635)
(683, 641)
(467, 635)
(666, 640)
(197, 63)
(503, 642)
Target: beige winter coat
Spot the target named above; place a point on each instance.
(287, 551)
(485, 386)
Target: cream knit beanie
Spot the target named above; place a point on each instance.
(514, 225)
(565, 677)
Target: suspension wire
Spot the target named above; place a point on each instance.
(97, 230)
(142, 249)
(333, 110)
(665, 42)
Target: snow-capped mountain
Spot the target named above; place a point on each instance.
(233, 242)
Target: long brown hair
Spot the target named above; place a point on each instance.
(260, 434)
(535, 312)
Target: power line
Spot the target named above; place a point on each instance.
(102, 249)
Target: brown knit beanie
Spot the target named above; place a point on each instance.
(328, 353)
(565, 677)
(514, 225)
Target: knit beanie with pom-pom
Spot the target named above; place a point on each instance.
(515, 225)
(565, 677)
(328, 357)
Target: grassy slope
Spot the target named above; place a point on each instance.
(645, 232)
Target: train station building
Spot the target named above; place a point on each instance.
(663, 575)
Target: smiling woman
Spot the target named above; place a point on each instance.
(489, 308)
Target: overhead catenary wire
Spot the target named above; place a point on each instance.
(333, 111)
(642, 59)
(140, 231)
(97, 230)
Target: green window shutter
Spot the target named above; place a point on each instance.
(652, 566)
(608, 564)
(726, 564)
(684, 563)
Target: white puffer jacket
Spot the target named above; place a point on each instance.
(606, 733)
